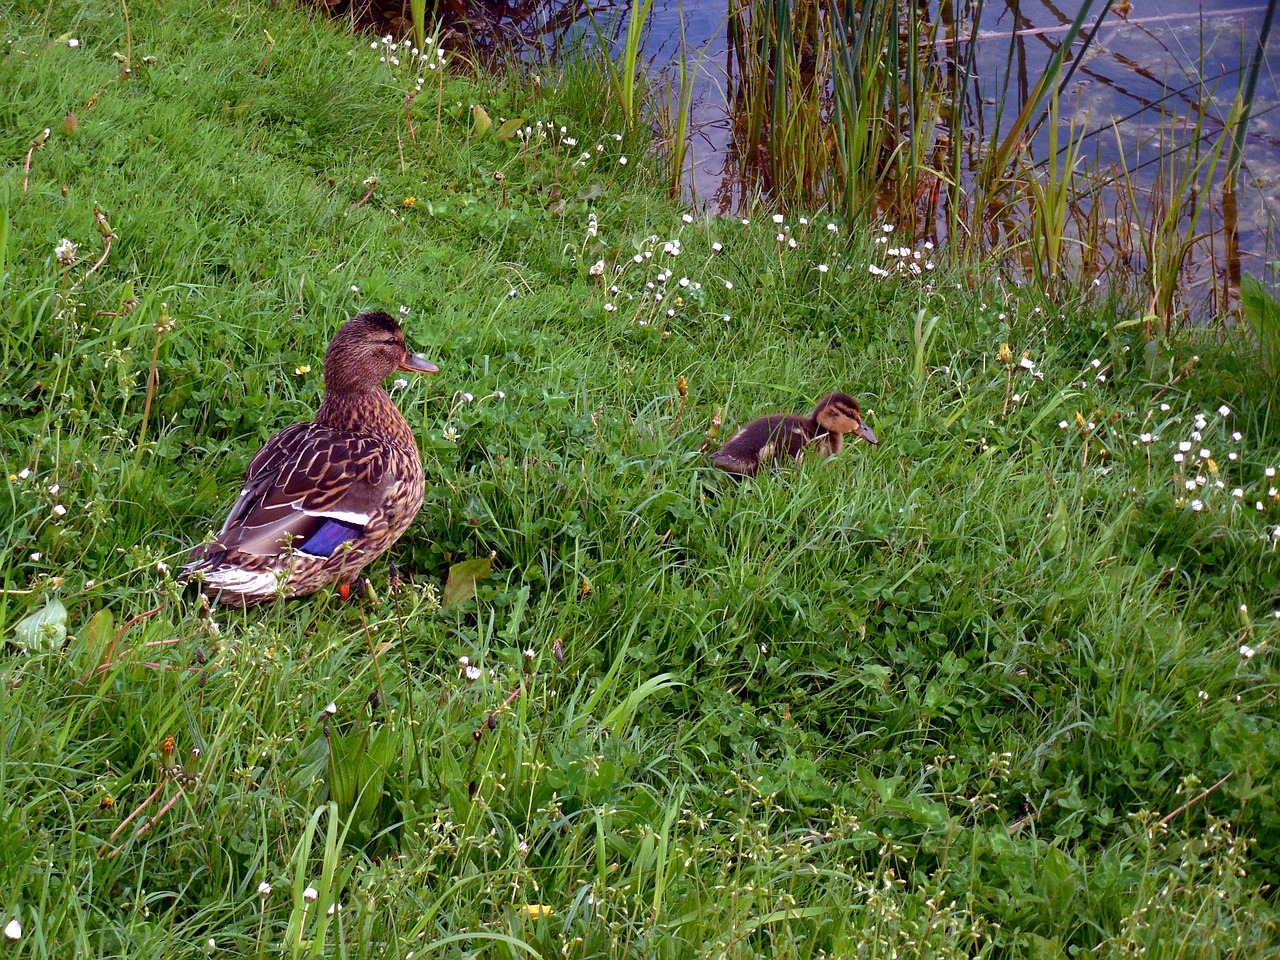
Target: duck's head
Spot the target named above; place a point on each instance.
(368, 349)
(840, 413)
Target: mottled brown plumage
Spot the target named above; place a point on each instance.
(324, 499)
(786, 438)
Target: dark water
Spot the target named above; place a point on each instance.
(1136, 73)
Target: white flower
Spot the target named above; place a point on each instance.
(1224, 411)
(717, 247)
(59, 509)
(467, 398)
(210, 945)
(610, 307)
(777, 218)
(13, 930)
(876, 271)
(1205, 454)
(529, 654)
(1247, 651)
(264, 889)
(687, 218)
(513, 292)
(823, 268)
(781, 237)
(1026, 363)
(310, 894)
(832, 228)
(331, 708)
(399, 383)
(1197, 505)
(597, 269)
(354, 288)
(450, 433)
(1062, 424)
(887, 228)
(65, 251)
(1145, 437)
(464, 660)
(1164, 408)
(1184, 446)
(499, 394)
(622, 161)
(473, 673)
(73, 43)
(1269, 472)
(728, 284)
(1178, 458)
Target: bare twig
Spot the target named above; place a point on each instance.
(1194, 800)
(36, 143)
(492, 720)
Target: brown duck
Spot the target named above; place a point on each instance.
(323, 500)
(786, 437)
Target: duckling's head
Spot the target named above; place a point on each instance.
(840, 413)
(367, 350)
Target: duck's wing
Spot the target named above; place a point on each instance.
(309, 490)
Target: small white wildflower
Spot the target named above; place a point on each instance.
(687, 218)
(529, 654)
(467, 398)
(499, 394)
(36, 556)
(331, 708)
(876, 271)
(65, 251)
(1178, 458)
(1026, 363)
(513, 292)
(1184, 446)
(717, 247)
(1197, 505)
(473, 673)
(597, 269)
(1269, 472)
(823, 268)
(310, 894)
(264, 889)
(1145, 437)
(464, 660)
(1062, 424)
(59, 509)
(609, 307)
(451, 433)
(1224, 411)
(622, 161)
(728, 284)
(1247, 651)
(399, 383)
(13, 930)
(832, 228)
(1164, 408)
(777, 218)
(354, 288)
(73, 43)
(887, 228)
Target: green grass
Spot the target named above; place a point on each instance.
(942, 697)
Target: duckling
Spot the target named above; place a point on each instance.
(785, 437)
(324, 499)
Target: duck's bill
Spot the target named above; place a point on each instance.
(866, 433)
(417, 363)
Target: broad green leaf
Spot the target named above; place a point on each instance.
(461, 585)
(509, 128)
(46, 629)
(480, 116)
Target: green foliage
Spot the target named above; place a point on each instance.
(1002, 685)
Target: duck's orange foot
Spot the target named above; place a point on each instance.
(344, 591)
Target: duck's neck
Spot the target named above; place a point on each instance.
(364, 411)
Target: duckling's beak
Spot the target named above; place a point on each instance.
(417, 363)
(865, 432)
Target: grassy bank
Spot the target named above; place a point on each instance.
(1004, 685)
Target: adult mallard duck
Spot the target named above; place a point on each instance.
(322, 500)
(787, 437)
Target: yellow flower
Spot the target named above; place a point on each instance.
(1212, 465)
(1005, 355)
(682, 386)
(409, 202)
(536, 911)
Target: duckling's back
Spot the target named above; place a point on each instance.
(767, 440)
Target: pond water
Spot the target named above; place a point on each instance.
(1137, 71)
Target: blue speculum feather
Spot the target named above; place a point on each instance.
(331, 535)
